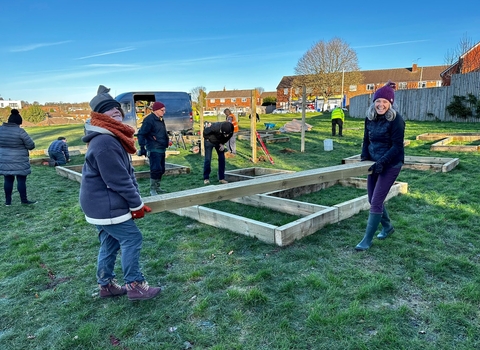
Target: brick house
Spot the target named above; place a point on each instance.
(467, 63)
(238, 101)
(406, 78)
(264, 95)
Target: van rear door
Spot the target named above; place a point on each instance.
(178, 105)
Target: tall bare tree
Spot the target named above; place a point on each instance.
(453, 55)
(260, 90)
(196, 93)
(198, 99)
(325, 66)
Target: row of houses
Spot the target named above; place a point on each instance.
(288, 95)
(10, 103)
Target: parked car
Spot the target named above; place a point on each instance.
(280, 111)
(307, 110)
(209, 113)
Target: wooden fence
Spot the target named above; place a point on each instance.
(426, 104)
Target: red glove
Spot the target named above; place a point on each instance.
(140, 213)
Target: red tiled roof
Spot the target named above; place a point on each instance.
(230, 94)
(397, 75)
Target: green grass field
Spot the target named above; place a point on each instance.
(418, 289)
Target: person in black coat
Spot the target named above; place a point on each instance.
(153, 140)
(14, 157)
(216, 135)
(382, 143)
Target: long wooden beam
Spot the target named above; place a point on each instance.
(210, 194)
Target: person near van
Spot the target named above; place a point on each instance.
(153, 140)
(110, 199)
(216, 135)
(382, 143)
(232, 143)
(58, 152)
(338, 118)
(14, 157)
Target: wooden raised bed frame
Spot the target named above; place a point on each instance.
(270, 190)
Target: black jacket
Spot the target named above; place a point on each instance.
(218, 133)
(153, 133)
(383, 141)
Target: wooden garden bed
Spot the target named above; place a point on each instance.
(419, 163)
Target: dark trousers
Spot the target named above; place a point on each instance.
(336, 122)
(58, 158)
(207, 164)
(378, 186)
(157, 164)
(21, 187)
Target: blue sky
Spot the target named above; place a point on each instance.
(60, 50)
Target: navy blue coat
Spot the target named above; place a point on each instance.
(109, 190)
(153, 133)
(383, 141)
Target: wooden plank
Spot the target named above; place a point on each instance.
(170, 169)
(450, 165)
(454, 148)
(438, 136)
(277, 139)
(69, 174)
(287, 234)
(209, 194)
(356, 182)
(248, 227)
(282, 205)
(352, 207)
(291, 193)
(418, 163)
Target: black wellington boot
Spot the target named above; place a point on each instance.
(386, 224)
(372, 225)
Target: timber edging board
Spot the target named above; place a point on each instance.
(418, 163)
(443, 145)
(74, 172)
(314, 216)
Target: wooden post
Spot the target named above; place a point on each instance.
(202, 147)
(253, 126)
(304, 99)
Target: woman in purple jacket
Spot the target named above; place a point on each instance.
(383, 144)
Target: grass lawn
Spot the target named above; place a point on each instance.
(419, 289)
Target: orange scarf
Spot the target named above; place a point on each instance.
(122, 131)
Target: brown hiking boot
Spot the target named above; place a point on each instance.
(113, 289)
(141, 291)
(223, 181)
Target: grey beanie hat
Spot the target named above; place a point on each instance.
(103, 101)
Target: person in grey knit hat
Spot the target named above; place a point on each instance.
(103, 102)
(110, 199)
